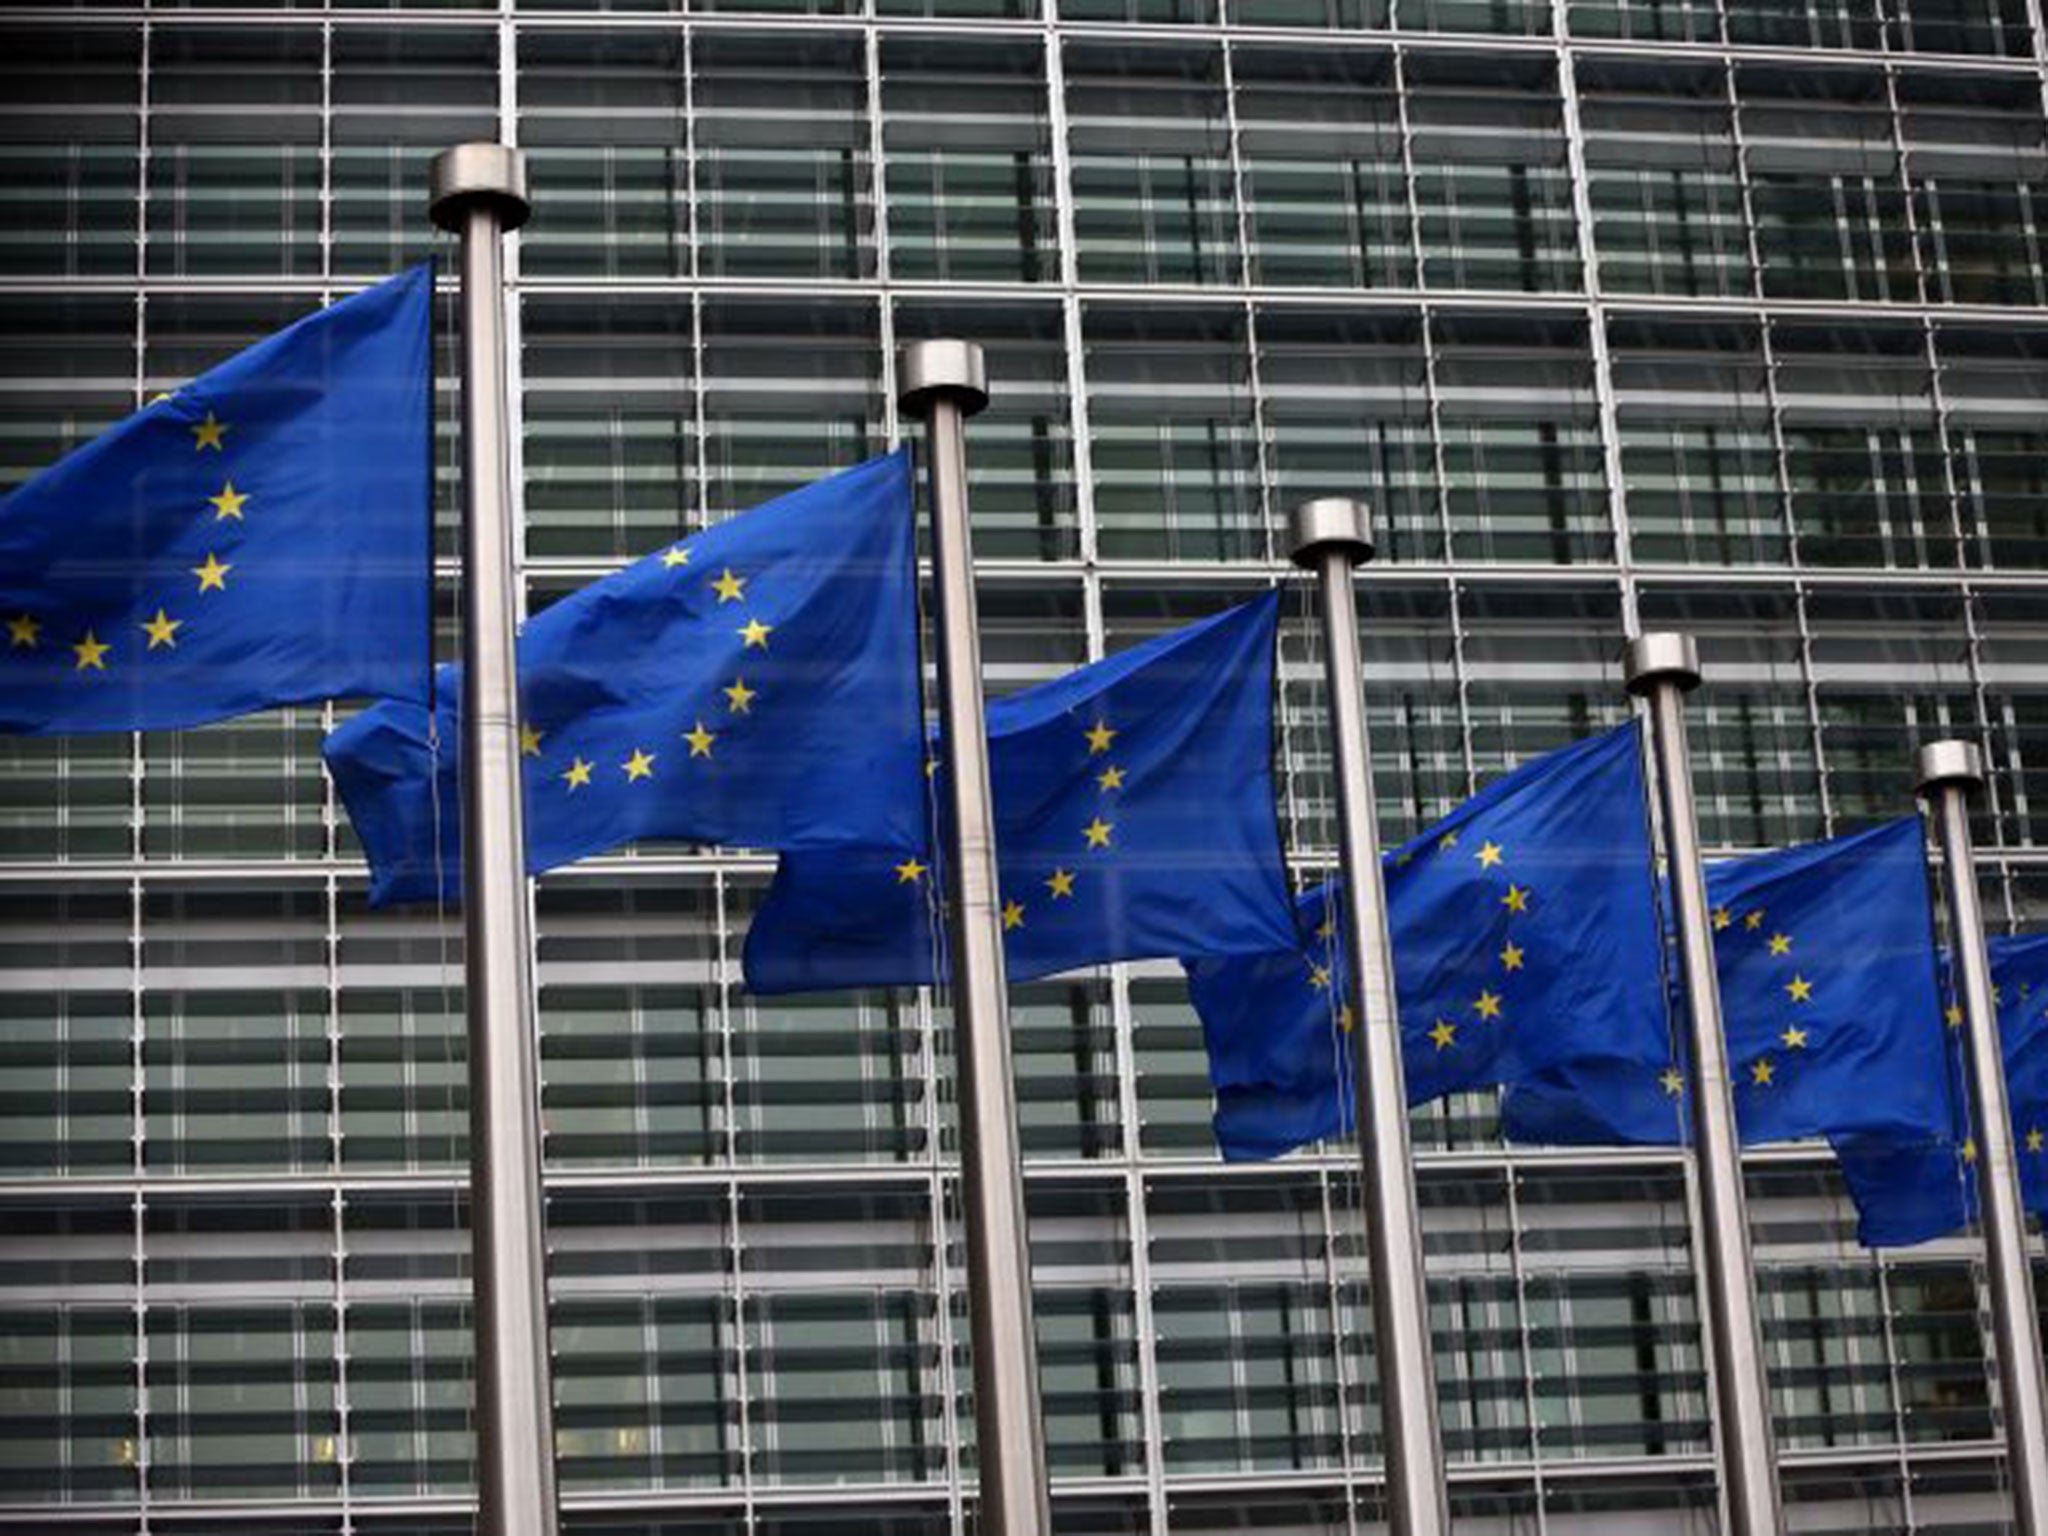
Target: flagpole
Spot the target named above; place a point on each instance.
(1947, 772)
(1331, 537)
(479, 192)
(1661, 669)
(946, 382)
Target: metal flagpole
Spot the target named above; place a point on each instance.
(1332, 536)
(946, 382)
(479, 191)
(1662, 669)
(1947, 772)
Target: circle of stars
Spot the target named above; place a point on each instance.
(158, 632)
(705, 734)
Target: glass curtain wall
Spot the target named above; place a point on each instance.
(1722, 316)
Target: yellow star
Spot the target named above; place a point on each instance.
(529, 740)
(700, 740)
(1097, 832)
(1799, 989)
(639, 766)
(1795, 1039)
(213, 576)
(1672, 1082)
(1488, 855)
(92, 653)
(1061, 883)
(1318, 976)
(931, 767)
(577, 774)
(909, 872)
(671, 558)
(1100, 738)
(1954, 1014)
(2035, 1140)
(728, 586)
(1345, 1020)
(1110, 778)
(1516, 900)
(1760, 1074)
(228, 503)
(756, 634)
(1511, 958)
(1722, 918)
(739, 698)
(1444, 1033)
(162, 630)
(1329, 928)
(1013, 915)
(1754, 921)
(209, 433)
(22, 631)
(1448, 841)
(1487, 1005)
(1969, 1149)
(1781, 943)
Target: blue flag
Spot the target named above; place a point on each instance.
(1825, 955)
(1910, 1190)
(755, 685)
(263, 536)
(1525, 933)
(1134, 817)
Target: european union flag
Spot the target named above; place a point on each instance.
(755, 685)
(1134, 817)
(262, 536)
(1913, 1190)
(1825, 955)
(1525, 933)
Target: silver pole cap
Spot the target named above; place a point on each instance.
(949, 367)
(1326, 523)
(1661, 656)
(1948, 762)
(468, 174)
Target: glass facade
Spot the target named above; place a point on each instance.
(1715, 314)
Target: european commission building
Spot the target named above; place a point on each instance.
(1623, 313)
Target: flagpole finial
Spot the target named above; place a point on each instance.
(1329, 522)
(1661, 656)
(948, 367)
(469, 174)
(1948, 762)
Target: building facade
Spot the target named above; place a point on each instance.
(1725, 315)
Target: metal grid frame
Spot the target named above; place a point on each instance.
(1153, 1494)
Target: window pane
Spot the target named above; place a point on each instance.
(68, 147)
(970, 163)
(67, 1019)
(1831, 215)
(1522, 462)
(234, 151)
(1661, 178)
(603, 124)
(1175, 458)
(1347, 414)
(1491, 188)
(782, 157)
(1698, 455)
(1326, 197)
(610, 426)
(1149, 144)
(398, 99)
